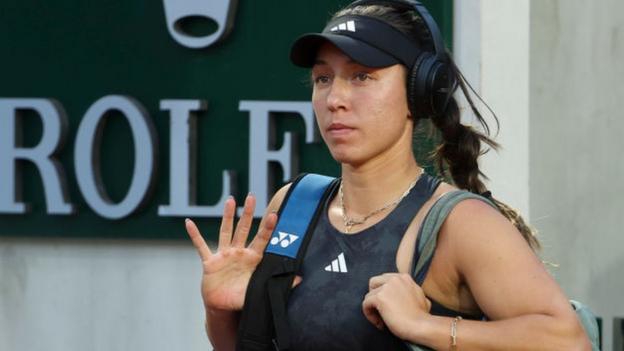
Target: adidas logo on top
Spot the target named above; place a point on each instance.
(349, 26)
(338, 265)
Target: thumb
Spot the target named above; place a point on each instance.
(296, 281)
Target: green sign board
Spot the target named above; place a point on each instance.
(120, 118)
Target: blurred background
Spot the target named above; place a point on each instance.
(118, 119)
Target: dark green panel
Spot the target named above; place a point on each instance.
(78, 51)
(442, 11)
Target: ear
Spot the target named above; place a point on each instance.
(411, 121)
(409, 114)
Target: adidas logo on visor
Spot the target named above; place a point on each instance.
(348, 26)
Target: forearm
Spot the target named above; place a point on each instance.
(530, 332)
(221, 327)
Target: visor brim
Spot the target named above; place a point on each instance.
(305, 49)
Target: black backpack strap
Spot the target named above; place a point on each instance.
(264, 321)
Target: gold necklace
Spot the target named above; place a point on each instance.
(350, 222)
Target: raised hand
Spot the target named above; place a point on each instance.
(227, 271)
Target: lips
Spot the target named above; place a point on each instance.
(339, 129)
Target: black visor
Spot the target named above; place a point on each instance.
(366, 40)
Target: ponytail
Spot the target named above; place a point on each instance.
(457, 156)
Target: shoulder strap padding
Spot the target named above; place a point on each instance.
(297, 213)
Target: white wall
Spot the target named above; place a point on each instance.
(552, 71)
(65, 295)
(491, 46)
(577, 165)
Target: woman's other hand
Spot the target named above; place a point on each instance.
(396, 301)
(227, 271)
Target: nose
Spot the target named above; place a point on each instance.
(338, 95)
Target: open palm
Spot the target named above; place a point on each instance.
(227, 271)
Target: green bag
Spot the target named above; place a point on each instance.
(428, 239)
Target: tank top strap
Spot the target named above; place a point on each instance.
(407, 209)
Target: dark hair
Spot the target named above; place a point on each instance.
(461, 145)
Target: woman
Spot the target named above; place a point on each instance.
(367, 106)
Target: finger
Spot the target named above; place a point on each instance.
(244, 224)
(198, 240)
(422, 303)
(261, 239)
(379, 280)
(227, 223)
(371, 313)
(298, 279)
(417, 291)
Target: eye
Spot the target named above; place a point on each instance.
(321, 79)
(362, 76)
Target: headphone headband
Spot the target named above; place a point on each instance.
(421, 10)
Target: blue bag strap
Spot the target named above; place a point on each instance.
(297, 214)
(264, 322)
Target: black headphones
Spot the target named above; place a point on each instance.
(430, 81)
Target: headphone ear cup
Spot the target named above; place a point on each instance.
(411, 89)
(417, 86)
(442, 84)
(429, 87)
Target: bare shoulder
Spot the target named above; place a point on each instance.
(474, 228)
(473, 224)
(474, 219)
(495, 267)
(505, 277)
(278, 198)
